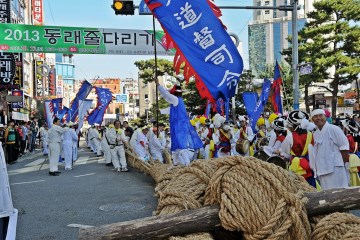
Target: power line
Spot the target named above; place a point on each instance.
(52, 16)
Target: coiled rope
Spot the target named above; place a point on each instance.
(259, 199)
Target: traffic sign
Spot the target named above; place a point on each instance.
(143, 9)
(121, 98)
(304, 70)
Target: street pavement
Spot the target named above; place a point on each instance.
(92, 194)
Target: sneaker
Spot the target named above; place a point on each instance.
(118, 169)
(124, 169)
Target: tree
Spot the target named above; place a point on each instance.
(147, 69)
(194, 103)
(331, 43)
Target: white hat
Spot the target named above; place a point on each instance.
(242, 118)
(317, 112)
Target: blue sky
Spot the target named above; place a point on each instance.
(99, 14)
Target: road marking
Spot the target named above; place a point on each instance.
(85, 175)
(20, 183)
(82, 226)
(28, 169)
(81, 160)
(36, 162)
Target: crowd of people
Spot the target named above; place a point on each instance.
(325, 153)
(19, 138)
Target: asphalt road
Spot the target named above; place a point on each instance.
(49, 205)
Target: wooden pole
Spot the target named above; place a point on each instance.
(207, 218)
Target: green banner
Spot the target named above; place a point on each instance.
(80, 40)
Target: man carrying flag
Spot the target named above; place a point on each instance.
(276, 99)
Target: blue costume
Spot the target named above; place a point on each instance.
(183, 134)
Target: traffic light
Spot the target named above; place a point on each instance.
(123, 7)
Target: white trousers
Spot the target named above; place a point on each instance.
(96, 146)
(181, 156)
(67, 149)
(106, 150)
(45, 146)
(75, 153)
(54, 153)
(118, 157)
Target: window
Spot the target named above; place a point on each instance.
(267, 11)
(267, 2)
(258, 13)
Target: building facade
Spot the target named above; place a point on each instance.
(269, 30)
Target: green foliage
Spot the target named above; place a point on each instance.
(330, 41)
(194, 104)
(147, 69)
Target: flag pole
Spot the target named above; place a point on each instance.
(156, 77)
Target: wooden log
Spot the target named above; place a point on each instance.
(206, 219)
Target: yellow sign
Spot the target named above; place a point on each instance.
(340, 101)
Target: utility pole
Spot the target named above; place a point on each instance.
(295, 56)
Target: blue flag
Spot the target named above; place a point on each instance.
(260, 104)
(62, 113)
(83, 92)
(250, 99)
(56, 106)
(204, 49)
(104, 97)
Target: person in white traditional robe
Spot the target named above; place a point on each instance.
(331, 151)
(245, 132)
(55, 135)
(68, 141)
(155, 147)
(8, 214)
(133, 138)
(142, 144)
(106, 147)
(44, 139)
(95, 139)
(117, 138)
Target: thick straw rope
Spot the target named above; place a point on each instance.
(337, 226)
(259, 199)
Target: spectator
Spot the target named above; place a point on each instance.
(34, 128)
(10, 140)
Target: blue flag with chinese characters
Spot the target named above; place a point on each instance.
(56, 107)
(204, 50)
(255, 111)
(81, 95)
(104, 97)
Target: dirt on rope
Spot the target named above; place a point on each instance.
(258, 199)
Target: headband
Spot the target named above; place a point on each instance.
(317, 112)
